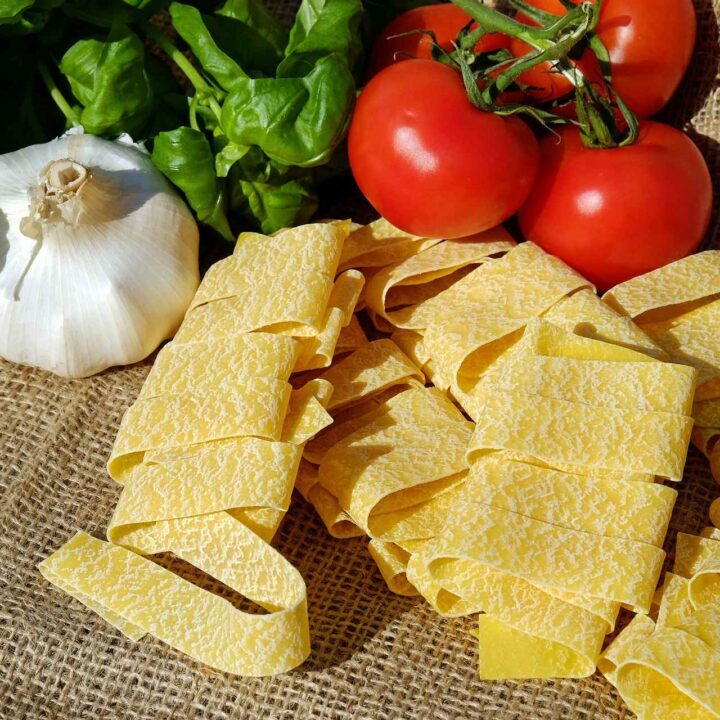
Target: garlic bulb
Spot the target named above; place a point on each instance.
(98, 255)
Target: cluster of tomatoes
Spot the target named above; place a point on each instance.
(433, 164)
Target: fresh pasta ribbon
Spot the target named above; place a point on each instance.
(382, 413)
(473, 542)
(635, 409)
(549, 537)
(362, 381)
(678, 306)
(393, 462)
(208, 454)
(456, 308)
(670, 668)
(469, 325)
(558, 522)
(351, 337)
(380, 243)
(427, 273)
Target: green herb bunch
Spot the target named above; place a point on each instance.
(240, 114)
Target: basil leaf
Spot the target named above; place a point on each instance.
(296, 121)
(255, 55)
(184, 156)
(254, 15)
(108, 77)
(270, 196)
(322, 27)
(11, 10)
(228, 155)
(191, 26)
(23, 17)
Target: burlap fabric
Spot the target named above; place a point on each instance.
(375, 655)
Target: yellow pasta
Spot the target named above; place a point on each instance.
(671, 668)
(678, 306)
(208, 455)
(379, 244)
(425, 274)
(550, 554)
(544, 513)
(461, 539)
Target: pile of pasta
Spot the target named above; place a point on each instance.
(678, 306)
(669, 666)
(505, 440)
(544, 515)
(207, 458)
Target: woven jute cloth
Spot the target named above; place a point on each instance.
(375, 656)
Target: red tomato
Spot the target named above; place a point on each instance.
(649, 41)
(617, 213)
(429, 161)
(445, 20)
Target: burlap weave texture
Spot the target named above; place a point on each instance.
(375, 656)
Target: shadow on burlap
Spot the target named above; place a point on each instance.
(375, 655)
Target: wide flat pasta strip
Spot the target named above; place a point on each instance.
(678, 306)
(592, 526)
(145, 598)
(415, 279)
(671, 668)
(208, 456)
(379, 244)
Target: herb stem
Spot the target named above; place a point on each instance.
(188, 69)
(56, 94)
(202, 87)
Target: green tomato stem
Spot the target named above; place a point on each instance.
(540, 16)
(56, 94)
(540, 38)
(552, 41)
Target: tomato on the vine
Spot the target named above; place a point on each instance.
(649, 43)
(432, 163)
(445, 21)
(616, 213)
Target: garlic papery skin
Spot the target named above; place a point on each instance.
(98, 256)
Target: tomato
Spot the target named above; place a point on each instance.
(432, 163)
(616, 213)
(649, 42)
(445, 20)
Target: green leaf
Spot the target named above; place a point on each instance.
(10, 10)
(184, 156)
(321, 28)
(254, 15)
(228, 155)
(296, 121)
(249, 48)
(191, 26)
(270, 196)
(108, 77)
(23, 17)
